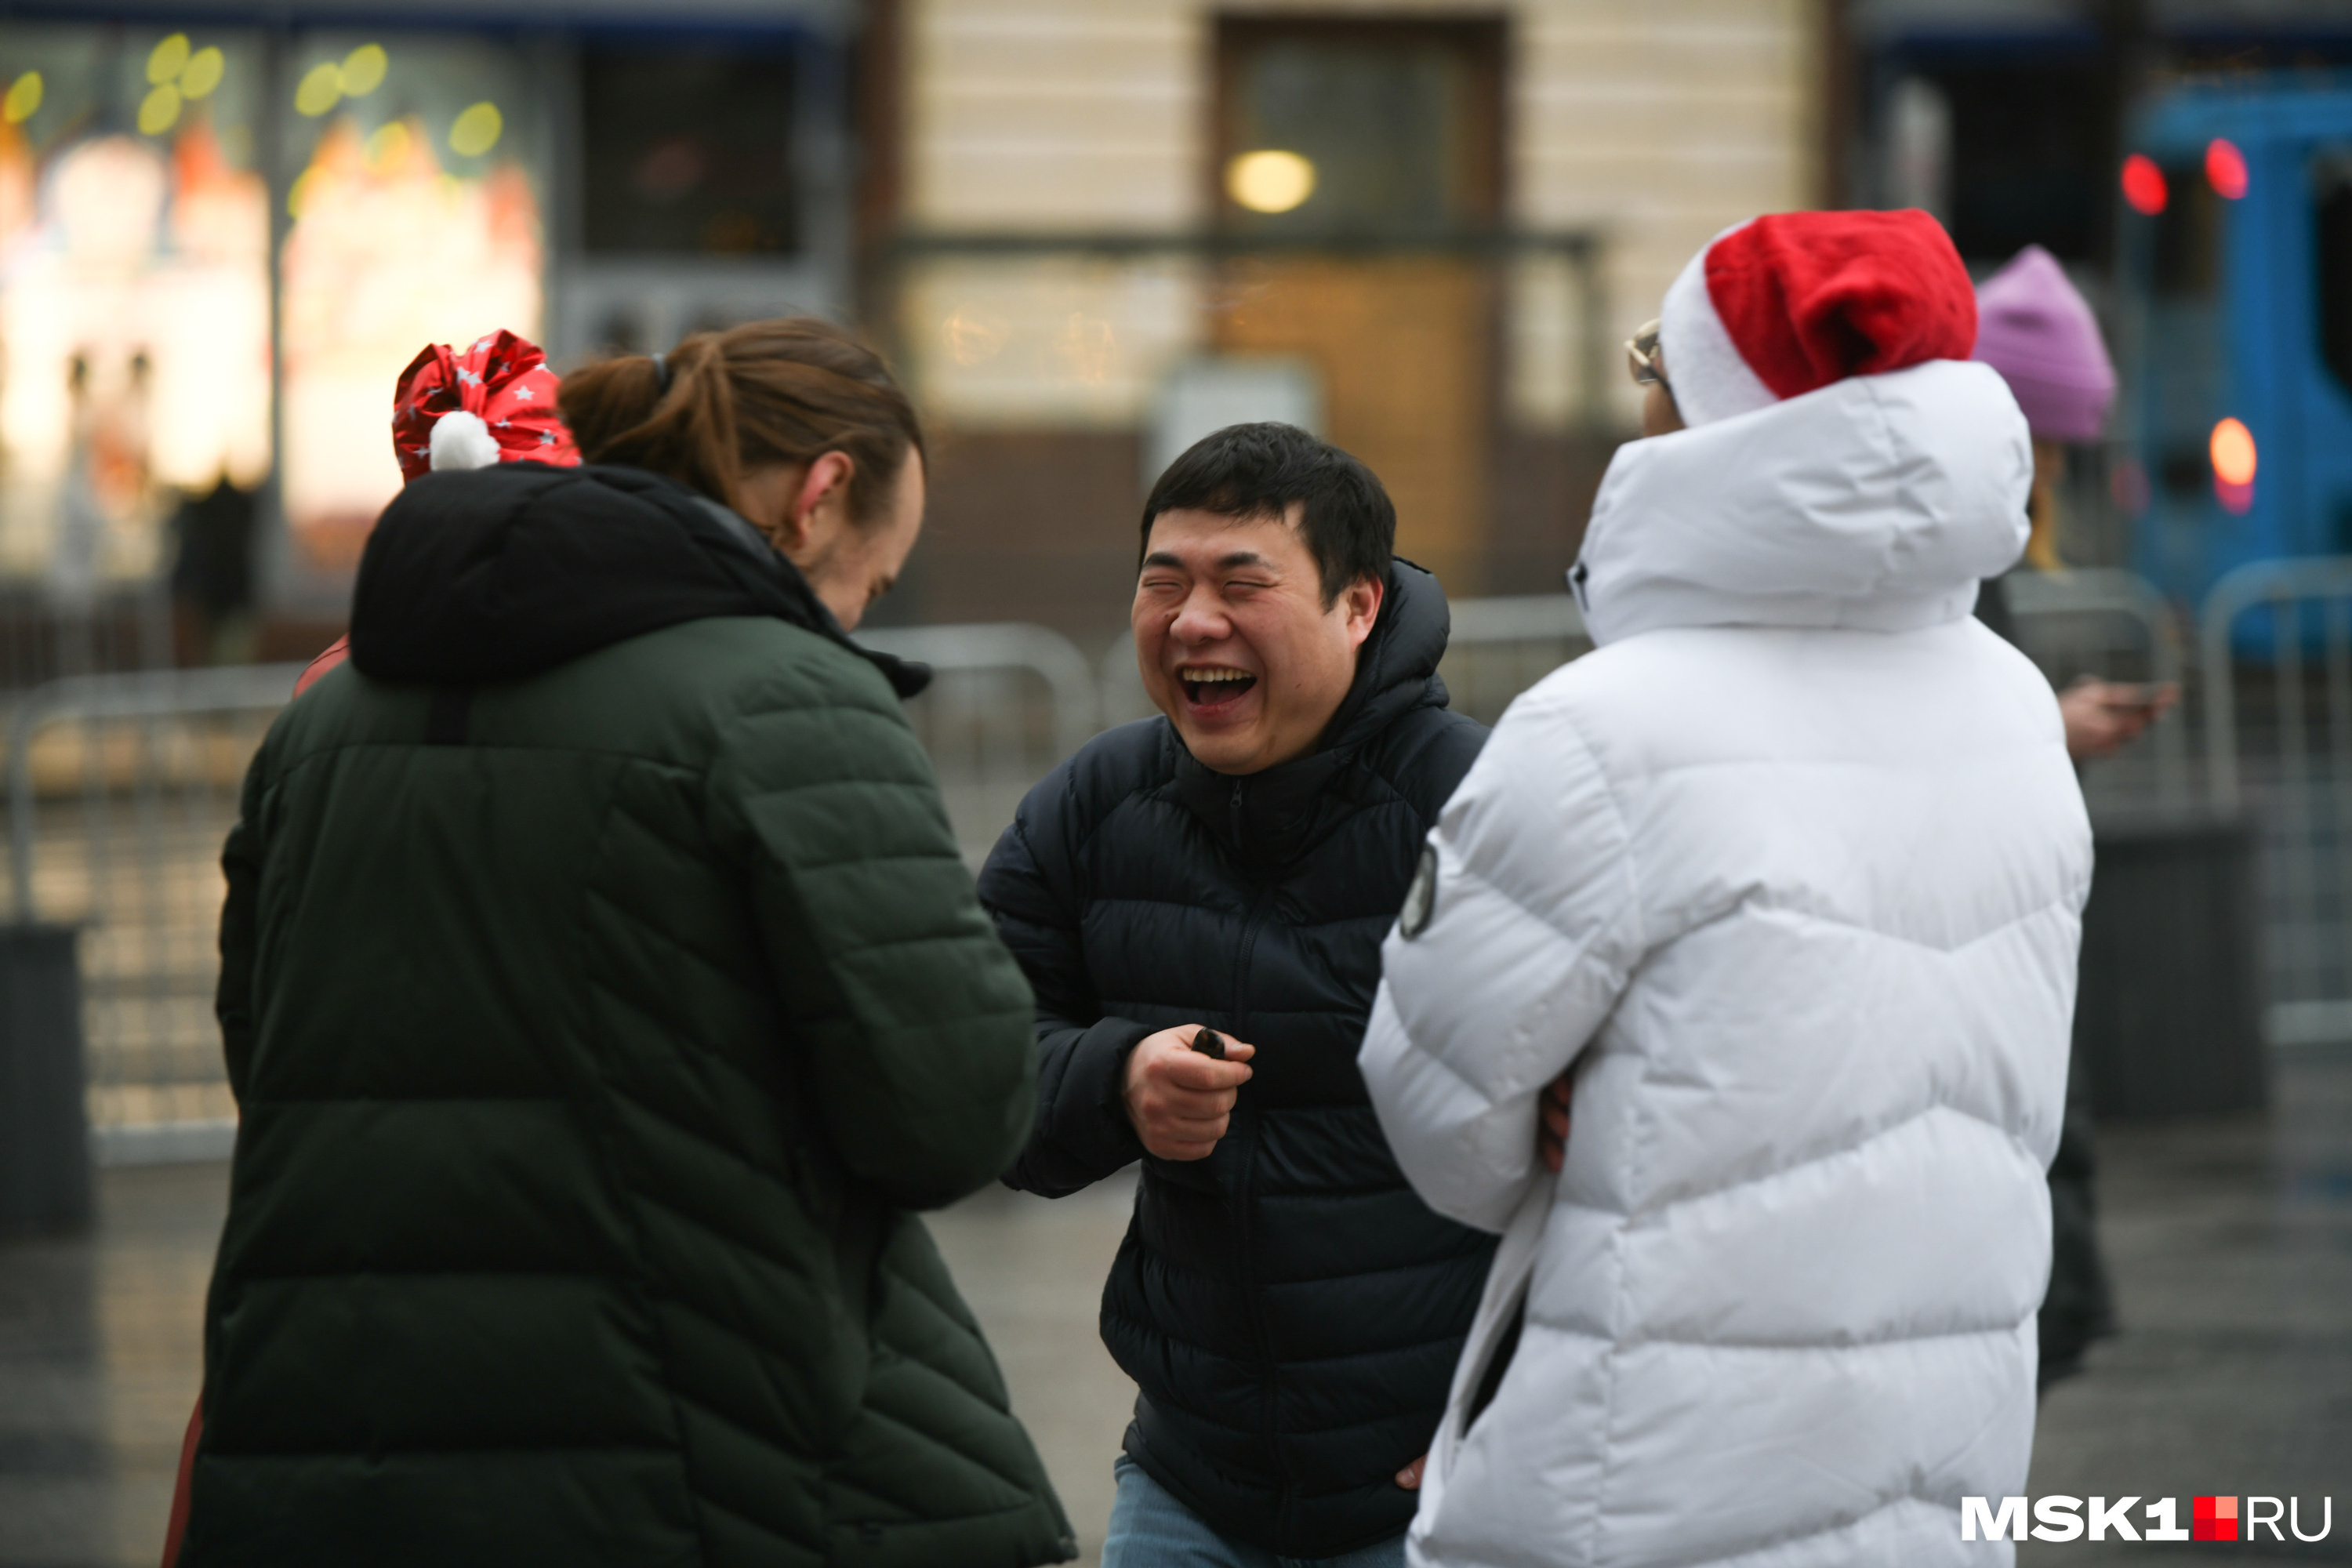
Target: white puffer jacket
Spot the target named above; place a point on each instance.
(1793, 868)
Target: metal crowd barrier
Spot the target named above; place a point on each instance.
(1006, 702)
(120, 789)
(2278, 746)
(1499, 648)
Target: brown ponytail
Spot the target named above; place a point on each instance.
(783, 391)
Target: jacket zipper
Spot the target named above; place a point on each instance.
(1269, 1377)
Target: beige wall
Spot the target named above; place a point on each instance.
(1660, 122)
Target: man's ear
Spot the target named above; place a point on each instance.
(826, 484)
(1360, 600)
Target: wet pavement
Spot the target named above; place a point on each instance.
(2230, 1242)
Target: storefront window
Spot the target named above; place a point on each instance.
(688, 151)
(135, 288)
(134, 294)
(415, 219)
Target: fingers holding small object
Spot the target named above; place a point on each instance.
(1209, 1044)
(1552, 1124)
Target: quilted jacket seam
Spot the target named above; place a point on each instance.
(638, 922)
(613, 1167)
(1623, 1217)
(323, 750)
(636, 1009)
(734, 1243)
(934, 1440)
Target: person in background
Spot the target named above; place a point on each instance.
(603, 990)
(1791, 868)
(2038, 331)
(212, 573)
(1290, 1310)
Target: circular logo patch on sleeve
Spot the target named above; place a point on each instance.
(1421, 899)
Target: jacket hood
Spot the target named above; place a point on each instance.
(1875, 503)
(493, 575)
(1396, 670)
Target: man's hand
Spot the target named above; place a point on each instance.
(1551, 1124)
(1179, 1099)
(1410, 1477)
(2104, 716)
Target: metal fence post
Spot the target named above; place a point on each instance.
(2311, 981)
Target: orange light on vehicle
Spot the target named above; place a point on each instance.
(2233, 453)
(2144, 184)
(2225, 168)
(2233, 450)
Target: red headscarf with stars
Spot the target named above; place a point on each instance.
(500, 380)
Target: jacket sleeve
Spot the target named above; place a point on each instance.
(913, 1017)
(1082, 1133)
(1533, 931)
(241, 857)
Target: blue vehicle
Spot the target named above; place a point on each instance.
(2236, 267)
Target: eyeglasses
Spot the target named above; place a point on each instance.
(1642, 356)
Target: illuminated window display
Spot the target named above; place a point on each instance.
(220, 245)
(415, 219)
(135, 287)
(134, 296)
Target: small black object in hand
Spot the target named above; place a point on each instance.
(1209, 1044)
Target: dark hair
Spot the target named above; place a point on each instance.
(785, 391)
(1246, 471)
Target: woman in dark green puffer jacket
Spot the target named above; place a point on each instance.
(602, 988)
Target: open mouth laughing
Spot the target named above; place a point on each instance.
(1210, 687)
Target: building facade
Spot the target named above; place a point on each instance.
(1425, 230)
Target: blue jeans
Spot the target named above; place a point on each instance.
(1149, 1529)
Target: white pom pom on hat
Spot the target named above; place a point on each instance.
(461, 440)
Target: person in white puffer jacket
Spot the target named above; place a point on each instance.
(1787, 875)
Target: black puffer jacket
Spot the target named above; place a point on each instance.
(1290, 1309)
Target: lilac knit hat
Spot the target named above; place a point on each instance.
(2033, 328)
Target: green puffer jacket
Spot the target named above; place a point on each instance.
(601, 987)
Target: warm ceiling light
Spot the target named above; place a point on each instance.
(1270, 181)
(2225, 168)
(2144, 184)
(2232, 448)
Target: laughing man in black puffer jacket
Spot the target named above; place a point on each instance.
(1291, 1310)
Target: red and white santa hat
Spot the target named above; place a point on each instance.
(1786, 304)
(493, 402)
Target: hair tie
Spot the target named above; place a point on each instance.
(661, 375)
